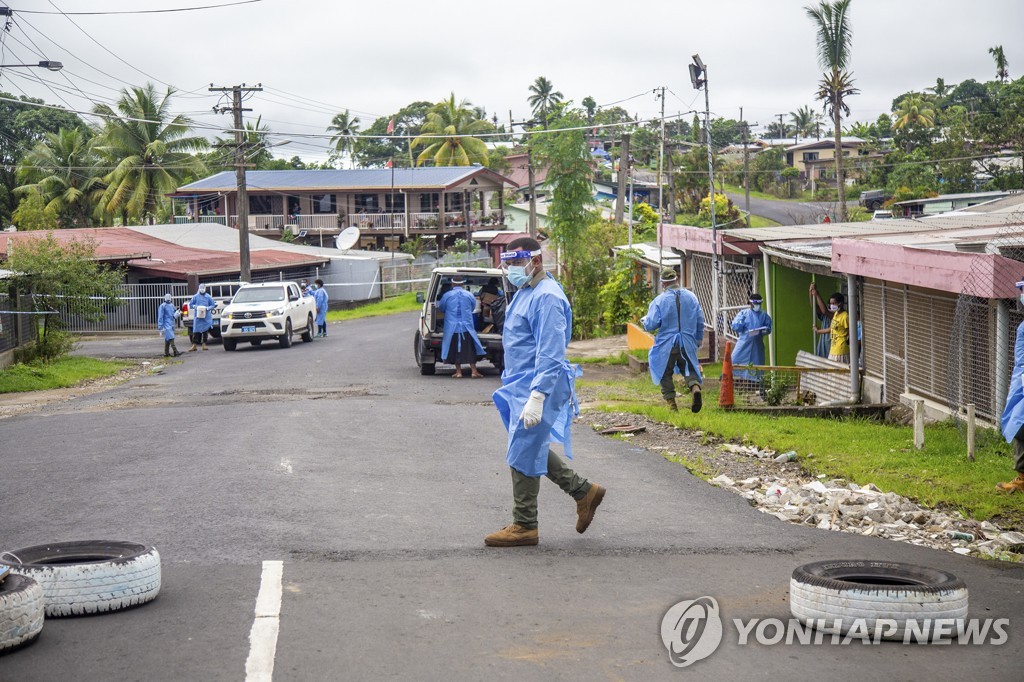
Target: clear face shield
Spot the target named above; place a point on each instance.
(1020, 292)
(515, 264)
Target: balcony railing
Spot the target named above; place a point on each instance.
(364, 221)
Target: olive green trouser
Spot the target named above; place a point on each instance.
(668, 387)
(526, 488)
(1018, 454)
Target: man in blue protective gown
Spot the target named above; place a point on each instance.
(320, 300)
(1013, 415)
(460, 344)
(751, 326)
(203, 305)
(675, 313)
(165, 316)
(537, 400)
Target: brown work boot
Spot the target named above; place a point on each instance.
(1014, 486)
(513, 535)
(586, 507)
(671, 402)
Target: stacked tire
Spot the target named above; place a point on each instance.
(21, 611)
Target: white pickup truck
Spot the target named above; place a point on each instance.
(261, 312)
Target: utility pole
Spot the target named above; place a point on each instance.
(624, 169)
(746, 169)
(244, 269)
(699, 78)
(532, 225)
(661, 156)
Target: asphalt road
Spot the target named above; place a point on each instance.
(375, 487)
(786, 212)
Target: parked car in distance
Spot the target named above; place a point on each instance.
(882, 215)
(271, 311)
(493, 293)
(222, 293)
(873, 199)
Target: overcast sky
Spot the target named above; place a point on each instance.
(317, 57)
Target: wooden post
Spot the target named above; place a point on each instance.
(918, 424)
(970, 432)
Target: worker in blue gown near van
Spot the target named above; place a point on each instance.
(537, 399)
(1012, 422)
(203, 304)
(320, 300)
(460, 344)
(676, 315)
(751, 326)
(165, 316)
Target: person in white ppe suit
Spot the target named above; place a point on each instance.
(537, 398)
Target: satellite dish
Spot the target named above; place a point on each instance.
(348, 238)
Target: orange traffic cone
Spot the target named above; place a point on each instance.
(725, 395)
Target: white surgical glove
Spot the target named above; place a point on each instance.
(533, 410)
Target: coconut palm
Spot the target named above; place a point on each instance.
(150, 151)
(940, 88)
(543, 98)
(344, 126)
(834, 38)
(1002, 72)
(62, 169)
(446, 131)
(804, 120)
(914, 111)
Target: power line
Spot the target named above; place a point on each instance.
(143, 11)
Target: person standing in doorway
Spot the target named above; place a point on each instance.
(751, 326)
(1012, 423)
(823, 341)
(537, 398)
(839, 329)
(165, 316)
(676, 315)
(321, 300)
(460, 344)
(203, 304)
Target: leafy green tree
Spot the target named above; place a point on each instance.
(149, 149)
(454, 123)
(834, 39)
(375, 153)
(591, 108)
(766, 168)
(1002, 66)
(626, 294)
(690, 178)
(33, 213)
(543, 98)
(62, 171)
(62, 278)
(344, 126)
(913, 175)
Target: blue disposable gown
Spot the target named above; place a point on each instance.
(687, 331)
(1013, 414)
(457, 305)
(537, 329)
(202, 324)
(749, 349)
(165, 320)
(320, 298)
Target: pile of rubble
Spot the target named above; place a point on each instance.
(850, 508)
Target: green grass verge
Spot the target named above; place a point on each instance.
(403, 303)
(61, 373)
(760, 221)
(858, 450)
(755, 194)
(617, 359)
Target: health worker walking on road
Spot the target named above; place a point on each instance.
(320, 298)
(1013, 415)
(751, 326)
(537, 398)
(165, 316)
(677, 316)
(203, 305)
(460, 345)
(839, 351)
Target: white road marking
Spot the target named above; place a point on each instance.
(286, 464)
(259, 667)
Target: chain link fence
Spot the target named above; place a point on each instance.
(767, 386)
(735, 282)
(405, 277)
(18, 324)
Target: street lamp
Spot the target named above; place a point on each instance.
(45, 64)
(699, 79)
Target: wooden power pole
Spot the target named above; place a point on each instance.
(620, 193)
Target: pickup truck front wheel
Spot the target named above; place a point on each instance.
(307, 335)
(229, 344)
(286, 340)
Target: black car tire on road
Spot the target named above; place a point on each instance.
(873, 590)
(230, 344)
(21, 611)
(426, 368)
(91, 576)
(307, 335)
(286, 340)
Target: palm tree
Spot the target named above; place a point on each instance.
(150, 152)
(914, 111)
(453, 122)
(940, 88)
(834, 38)
(344, 126)
(543, 98)
(1002, 72)
(591, 108)
(62, 169)
(804, 120)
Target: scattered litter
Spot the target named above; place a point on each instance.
(622, 428)
(786, 457)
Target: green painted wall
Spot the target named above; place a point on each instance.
(793, 317)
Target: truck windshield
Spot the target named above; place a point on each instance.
(260, 295)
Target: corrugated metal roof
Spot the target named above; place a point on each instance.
(354, 179)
